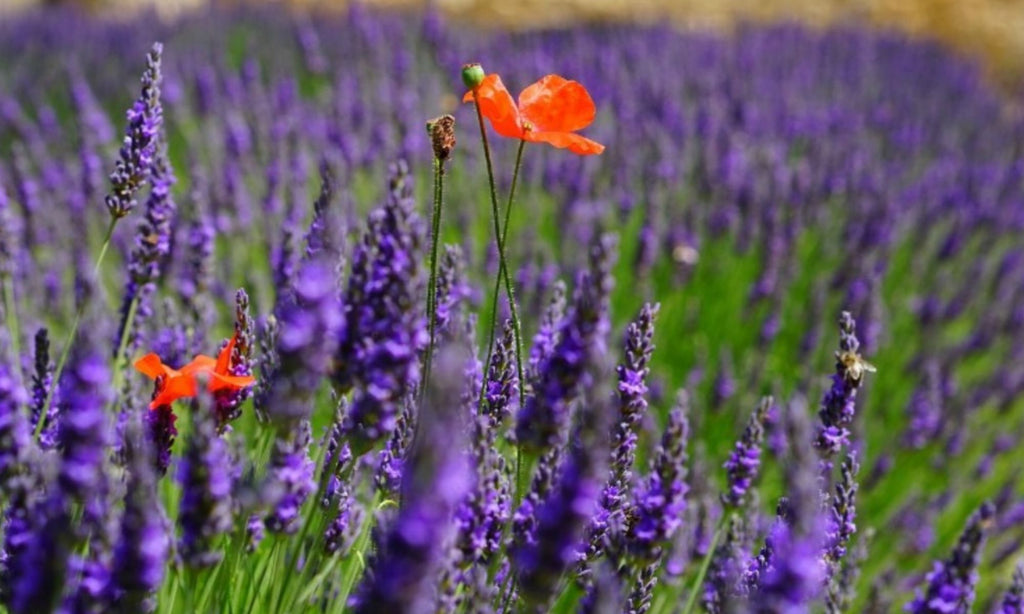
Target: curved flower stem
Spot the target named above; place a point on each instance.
(432, 287)
(72, 333)
(499, 238)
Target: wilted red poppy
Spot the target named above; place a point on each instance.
(183, 382)
(549, 111)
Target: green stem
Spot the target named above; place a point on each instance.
(691, 599)
(59, 369)
(435, 239)
(499, 238)
(13, 327)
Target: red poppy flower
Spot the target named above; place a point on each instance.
(183, 382)
(549, 111)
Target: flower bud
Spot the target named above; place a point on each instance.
(472, 75)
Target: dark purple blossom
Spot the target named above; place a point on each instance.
(548, 333)
(42, 381)
(139, 147)
(228, 403)
(842, 512)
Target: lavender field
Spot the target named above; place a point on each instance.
(765, 352)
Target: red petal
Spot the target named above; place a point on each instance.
(566, 140)
(555, 104)
(497, 106)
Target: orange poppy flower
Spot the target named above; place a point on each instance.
(183, 382)
(549, 111)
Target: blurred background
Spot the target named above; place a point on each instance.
(992, 31)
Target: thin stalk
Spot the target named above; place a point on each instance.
(432, 287)
(499, 238)
(72, 333)
(691, 599)
(13, 327)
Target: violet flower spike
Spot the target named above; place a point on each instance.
(744, 463)
(139, 147)
(951, 583)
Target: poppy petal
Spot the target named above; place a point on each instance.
(224, 358)
(497, 106)
(556, 104)
(174, 389)
(229, 382)
(199, 364)
(151, 366)
(566, 140)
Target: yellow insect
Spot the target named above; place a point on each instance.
(855, 366)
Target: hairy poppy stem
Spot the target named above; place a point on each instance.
(432, 287)
(72, 333)
(499, 238)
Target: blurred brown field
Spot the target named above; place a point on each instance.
(990, 30)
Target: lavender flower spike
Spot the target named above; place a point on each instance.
(541, 423)
(436, 478)
(660, 501)
(562, 518)
(229, 402)
(205, 510)
(15, 437)
(42, 380)
(383, 329)
(838, 405)
(744, 463)
(1013, 600)
(152, 246)
(951, 582)
(139, 147)
(143, 546)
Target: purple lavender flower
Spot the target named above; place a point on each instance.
(228, 403)
(15, 437)
(436, 478)
(1013, 600)
(642, 596)
(83, 438)
(452, 290)
(204, 513)
(561, 517)
(950, 588)
(795, 573)
(838, 405)
(142, 548)
(139, 147)
(842, 513)
(542, 421)
(291, 474)
(37, 577)
(745, 461)
(720, 585)
(161, 431)
(383, 331)
(482, 516)
(391, 458)
(152, 246)
(548, 333)
(319, 239)
(308, 325)
(659, 502)
(42, 380)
